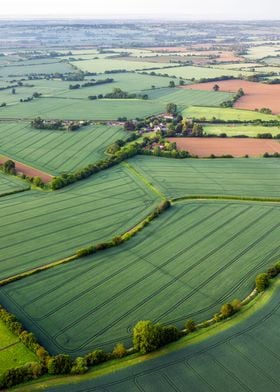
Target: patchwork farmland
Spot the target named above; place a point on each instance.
(118, 247)
(158, 273)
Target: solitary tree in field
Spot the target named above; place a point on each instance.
(216, 87)
(171, 83)
(13, 91)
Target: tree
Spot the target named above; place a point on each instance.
(172, 83)
(60, 364)
(38, 181)
(190, 326)
(197, 130)
(171, 108)
(146, 336)
(13, 90)
(79, 366)
(216, 87)
(9, 167)
(227, 310)
(262, 282)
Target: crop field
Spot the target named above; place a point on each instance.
(18, 70)
(189, 97)
(13, 353)
(38, 227)
(226, 114)
(9, 184)
(237, 147)
(102, 65)
(241, 358)
(197, 73)
(82, 109)
(224, 177)
(130, 82)
(257, 95)
(235, 130)
(57, 151)
(157, 273)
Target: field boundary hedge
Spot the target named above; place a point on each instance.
(115, 241)
(220, 197)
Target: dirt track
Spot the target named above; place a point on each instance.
(204, 147)
(257, 95)
(28, 170)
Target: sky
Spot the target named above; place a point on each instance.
(182, 9)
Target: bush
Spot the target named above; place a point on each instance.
(96, 357)
(236, 304)
(190, 326)
(21, 374)
(119, 351)
(262, 282)
(227, 310)
(60, 364)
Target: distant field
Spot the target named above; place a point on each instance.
(233, 130)
(102, 65)
(38, 227)
(8, 184)
(257, 95)
(17, 70)
(13, 353)
(82, 109)
(241, 358)
(185, 98)
(227, 114)
(57, 151)
(131, 82)
(157, 275)
(240, 177)
(204, 147)
(192, 72)
(259, 52)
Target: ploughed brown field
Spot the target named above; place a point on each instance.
(257, 95)
(204, 147)
(21, 168)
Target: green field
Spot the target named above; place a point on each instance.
(57, 151)
(225, 177)
(21, 70)
(38, 227)
(240, 359)
(102, 65)
(13, 353)
(9, 184)
(82, 109)
(234, 130)
(185, 98)
(184, 265)
(197, 73)
(227, 114)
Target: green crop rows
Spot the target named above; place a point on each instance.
(225, 177)
(226, 114)
(242, 358)
(57, 151)
(82, 109)
(184, 265)
(37, 227)
(9, 184)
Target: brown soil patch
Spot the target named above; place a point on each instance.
(21, 168)
(257, 95)
(204, 147)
